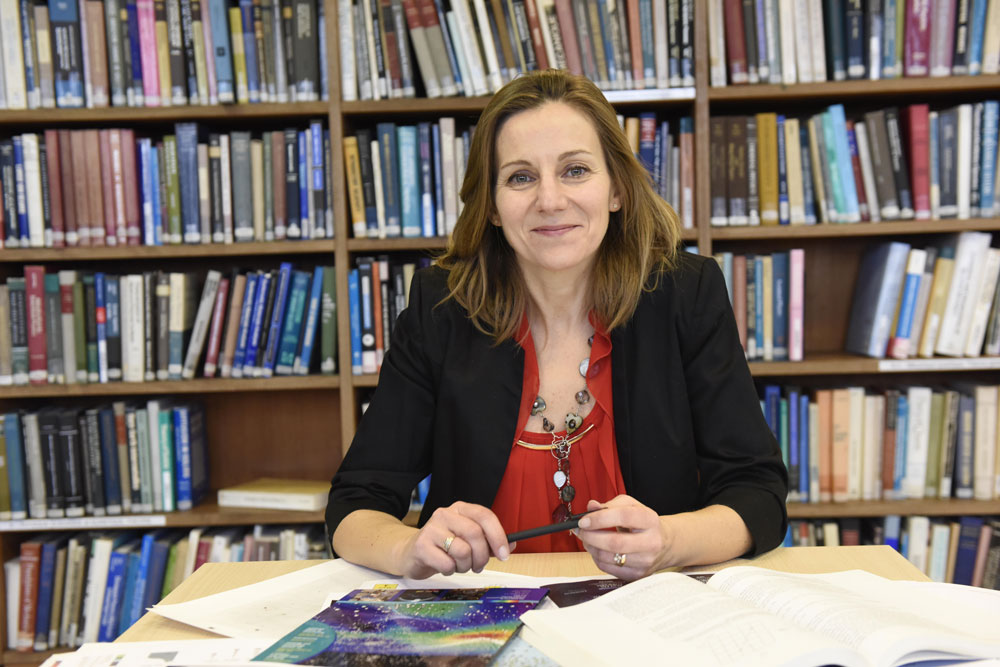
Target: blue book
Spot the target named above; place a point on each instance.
(354, 308)
(389, 159)
(876, 291)
(779, 309)
(844, 166)
(144, 149)
(135, 603)
(305, 224)
(792, 445)
(222, 51)
(109, 461)
(100, 296)
(125, 619)
(154, 167)
(647, 145)
(758, 284)
(15, 466)
(114, 592)
(187, 166)
(297, 301)
(64, 22)
(438, 181)
(46, 581)
(968, 542)
(890, 68)
(277, 318)
(452, 60)
(28, 49)
(250, 364)
(113, 331)
(191, 454)
(988, 154)
(157, 567)
(303, 358)
(250, 50)
(772, 395)
(783, 206)
(134, 93)
(409, 181)
(428, 219)
(902, 432)
(911, 287)
(891, 530)
(977, 32)
(606, 44)
(317, 179)
(244, 327)
(805, 463)
(21, 193)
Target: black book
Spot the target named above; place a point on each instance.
(265, 327)
(90, 329)
(977, 129)
(857, 42)
(674, 42)
(149, 305)
(900, 168)
(367, 176)
(687, 41)
(948, 162)
(117, 48)
(215, 187)
(110, 473)
(67, 59)
(74, 468)
(306, 49)
(834, 24)
(43, 167)
(162, 325)
(12, 234)
(175, 44)
(135, 478)
(387, 318)
(750, 35)
(292, 183)
(187, 40)
(112, 306)
(52, 463)
(960, 57)
(288, 42)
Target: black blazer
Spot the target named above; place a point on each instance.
(688, 424)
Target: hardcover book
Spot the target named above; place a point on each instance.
(279, 494)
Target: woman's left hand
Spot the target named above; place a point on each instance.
(638, 545)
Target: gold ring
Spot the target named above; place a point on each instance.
(619, 559)
(447, 543)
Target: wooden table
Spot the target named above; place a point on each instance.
(217, 577)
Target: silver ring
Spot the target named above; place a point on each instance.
(619, 559)
(447, 543)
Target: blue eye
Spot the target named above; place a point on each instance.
(577, 171)
(520, 178)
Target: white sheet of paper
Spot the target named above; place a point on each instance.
(161, 653)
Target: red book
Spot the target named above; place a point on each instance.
(686, 208)
(889, 443)
(93, 173)
(55, 188)
(117, 184)
(34, 294)
(859, 183)
(736, 45)
(215, 329)
(635, 44)
(80, 181)
(918, 122)
(133, 212)
(377, 313)
(917, 43)
(740, 297)
(66, 185)
(108, 189)
(390, 47)
(31, 557)
(204, 549)
(535, 28)
(567, 28)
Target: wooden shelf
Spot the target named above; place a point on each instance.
(367, 380)
(878, 508)
(207, 513)
(846, 90)
(172, 114)
(31, 657)
(835, 364)
(196, 386)
(834, 230)
(390, 245)
(205, 250)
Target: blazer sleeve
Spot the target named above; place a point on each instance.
(739, 460)
(391, 451)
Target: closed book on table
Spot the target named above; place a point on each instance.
(275, 493)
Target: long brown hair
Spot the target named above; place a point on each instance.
(642, 236)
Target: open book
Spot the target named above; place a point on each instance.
(754, 616)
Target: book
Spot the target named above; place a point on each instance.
(887, 622)
(275, 493)
(466, 625)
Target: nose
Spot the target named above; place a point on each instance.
(551, 195)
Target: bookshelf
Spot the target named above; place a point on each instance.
(300, 426)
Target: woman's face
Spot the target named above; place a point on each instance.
(553, 193)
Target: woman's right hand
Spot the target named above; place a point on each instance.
(457, 538)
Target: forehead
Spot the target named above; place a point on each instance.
(554, 125)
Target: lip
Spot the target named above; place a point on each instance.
(554, 230)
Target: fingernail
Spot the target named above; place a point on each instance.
(585, 522)
(503, 554)
(575, 532)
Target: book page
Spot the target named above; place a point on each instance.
(888, 622)
(672, 617)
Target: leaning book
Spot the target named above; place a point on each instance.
(461, 626)
(752, 616)
(276, 494)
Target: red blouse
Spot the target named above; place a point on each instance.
(527, 494)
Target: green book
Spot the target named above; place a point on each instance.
(18, 329)
(79, 331)
(90, 312)
(174, 226)
(328, 323)
(167, 458)
(168, 572)
(145, 467)
(936, 433)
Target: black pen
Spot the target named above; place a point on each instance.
(571, 522)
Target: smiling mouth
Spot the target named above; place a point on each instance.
(555, 229)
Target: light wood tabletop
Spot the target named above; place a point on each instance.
(218, 577)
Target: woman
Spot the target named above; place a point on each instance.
(561, 293)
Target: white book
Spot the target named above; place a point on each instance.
(871, 466)
(482, 80)
(963, 161)
(796, 303)
(769, 62)
(969, 255)
(348, 70)
(450, 184)
(660, 43)
(459, 176)
(201, 322)
(786, 17)
(194, 536)
(454, 31)
(923, 299)
(817, 40)
(937, 566)
(3, 86)
(34, 464)
(917, 537)
(494, 78)
(133, 329)
(378, 83)
(855, 443)
(33, 190)
(155, 463)
(803, 47)
(97, 578)
(379, 194)
(867, 171)
(991, 40)
(982, 302)
(917, 442)
(227, 189)
(716, 44)
(985, 445)
(541, 7)
(13, 55)
(418, 37)
(66, 281)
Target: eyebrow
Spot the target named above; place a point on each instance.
(563, 156)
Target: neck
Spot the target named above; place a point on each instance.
(559, 305)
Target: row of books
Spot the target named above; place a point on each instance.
(473, 47)
(942, 299)
(850, 443)
(68, 188)
(958, 550)
(96, 53)
(79, 327)
(891, 164)
(64, 589)
(106, 460)
(669, 157)
(768, 296)
(378, 290)
(804, 41)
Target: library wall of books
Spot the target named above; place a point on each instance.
(210, 212)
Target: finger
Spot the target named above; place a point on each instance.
(429, 552)
(493, 533)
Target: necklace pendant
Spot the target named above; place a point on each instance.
(559, 478)
(567, 493)
(584, 365)
(573, 422)
(582, 397)
(537, 406)
(560, 514)
(547, 425)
